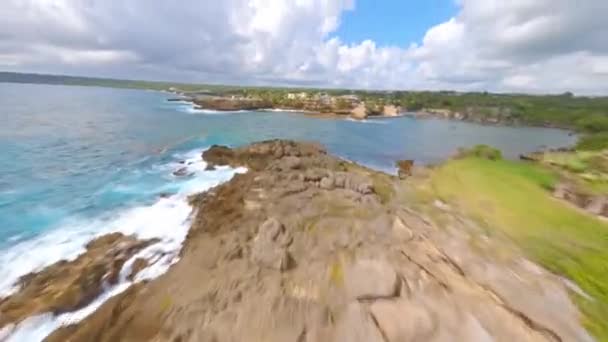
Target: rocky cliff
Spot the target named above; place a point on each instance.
(308, 247)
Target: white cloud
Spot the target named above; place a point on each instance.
(516, 45)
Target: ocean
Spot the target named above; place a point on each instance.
(80, 162)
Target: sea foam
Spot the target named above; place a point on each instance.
(168, 219)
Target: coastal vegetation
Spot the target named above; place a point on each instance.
(481, 151)
(586, 115)
(594, 142)
(515, 199)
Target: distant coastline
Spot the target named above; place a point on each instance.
(585, 115)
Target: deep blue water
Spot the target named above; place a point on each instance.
(70, 156)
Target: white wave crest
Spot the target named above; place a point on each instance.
(168, 219)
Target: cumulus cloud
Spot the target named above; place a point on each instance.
(519, 45)
(497, 45)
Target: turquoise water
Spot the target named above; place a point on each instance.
(76, 162)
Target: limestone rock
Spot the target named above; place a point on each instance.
(314, 175)
(138, 265)
(365, 188)
(327, 183)
(391, 110)
(356, 325)
(359, 112)
(597, 205)
(401, 320)
(401, 231)
(291, 163)
(218, 155)
(371, 279)
(259, 155)
(269, 247)
(339, 179)
(69, 285)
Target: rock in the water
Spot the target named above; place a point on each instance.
(138, 265)
(181, 172)
(269, 247)
(210, 167)
(371, 279)
(218, 155)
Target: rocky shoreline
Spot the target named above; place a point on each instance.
(307, 247)
(360, 112)
(68, 286)
(318, 110)
(497, 119)
(570, 188)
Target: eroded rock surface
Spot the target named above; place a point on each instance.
(306, 247)
(70, 285)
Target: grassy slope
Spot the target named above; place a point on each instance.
(513, 197)
(588, 169)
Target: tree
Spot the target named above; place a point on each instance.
(342, 104)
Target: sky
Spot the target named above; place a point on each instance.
(393, 22)
(532, 46)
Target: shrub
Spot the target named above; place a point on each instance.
(481, 151)
(593, 124)
(593, 142)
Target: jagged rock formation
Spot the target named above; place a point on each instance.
(306, 247)
(70, 285)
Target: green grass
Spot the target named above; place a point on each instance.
(481, 151)
(513, 198)
(593, 142)
(574, 162)
(588, 169)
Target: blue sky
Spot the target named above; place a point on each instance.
(394, 22)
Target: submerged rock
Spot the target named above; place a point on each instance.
(138, 265)
(182, 172)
